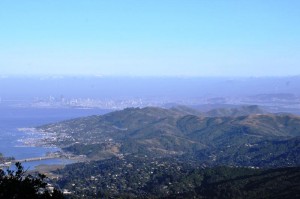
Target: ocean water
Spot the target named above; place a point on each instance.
(12, 118)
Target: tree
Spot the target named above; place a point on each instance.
(18, 185)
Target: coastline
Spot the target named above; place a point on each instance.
(52, 157)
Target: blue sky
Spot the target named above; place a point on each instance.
(150, 38)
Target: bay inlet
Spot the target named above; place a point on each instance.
(19, 139)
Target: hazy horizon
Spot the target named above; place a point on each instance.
(150, 87)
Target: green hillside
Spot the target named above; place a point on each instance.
(269, 140)
(180, 153)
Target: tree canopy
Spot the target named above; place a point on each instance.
(19, 185)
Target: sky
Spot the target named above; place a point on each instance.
(150, 37)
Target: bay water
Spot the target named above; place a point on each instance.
(13, 118)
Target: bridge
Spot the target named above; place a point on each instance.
(8, 164)
(36, 159)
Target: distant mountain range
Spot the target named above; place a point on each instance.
(245, 136)
(235, 112)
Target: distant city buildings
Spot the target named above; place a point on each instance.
(273, 101)
(114, 104)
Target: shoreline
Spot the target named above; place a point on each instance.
(52, 154)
